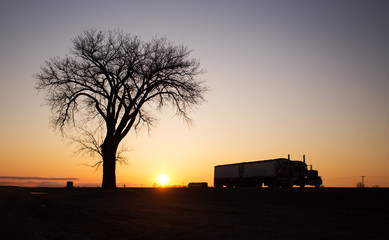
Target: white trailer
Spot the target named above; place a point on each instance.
(262, 168)
(227, 171)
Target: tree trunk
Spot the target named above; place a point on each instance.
(109, 165)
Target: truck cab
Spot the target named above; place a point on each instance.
(313, 178)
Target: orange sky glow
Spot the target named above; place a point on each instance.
(284, 79)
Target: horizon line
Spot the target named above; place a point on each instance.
(37, 178)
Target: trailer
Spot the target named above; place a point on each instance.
(280, 172)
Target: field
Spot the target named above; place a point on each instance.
(147, 213)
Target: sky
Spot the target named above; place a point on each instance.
(285, 77)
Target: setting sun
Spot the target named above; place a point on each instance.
(163, 179)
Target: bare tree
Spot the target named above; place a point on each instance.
(114, 81)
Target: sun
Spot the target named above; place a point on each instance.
(162, 179)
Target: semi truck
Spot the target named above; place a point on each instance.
(274, 173)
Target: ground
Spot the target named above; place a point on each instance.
(147, 213)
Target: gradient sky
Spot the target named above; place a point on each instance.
(286, 77)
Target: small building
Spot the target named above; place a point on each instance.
(69, 184)
(198, 185)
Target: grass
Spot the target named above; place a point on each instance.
(147, 213)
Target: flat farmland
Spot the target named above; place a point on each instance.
(181, 213)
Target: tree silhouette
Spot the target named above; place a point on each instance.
(112, 82)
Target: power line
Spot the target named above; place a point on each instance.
(342, 178)
(356, 177)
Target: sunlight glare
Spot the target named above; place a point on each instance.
(163, 179)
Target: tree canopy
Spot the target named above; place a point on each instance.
(117, 81)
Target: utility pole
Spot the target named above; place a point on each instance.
(363, 180)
